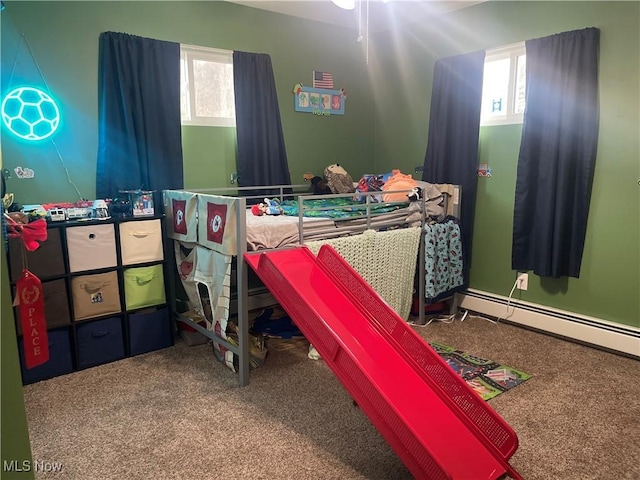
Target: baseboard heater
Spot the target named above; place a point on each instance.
(604, 334)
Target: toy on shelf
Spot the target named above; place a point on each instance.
(141, 202)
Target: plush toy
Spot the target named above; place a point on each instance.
(268, 207)
(397, 182)
(338, 180)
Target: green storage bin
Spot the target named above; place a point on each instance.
(144, 287)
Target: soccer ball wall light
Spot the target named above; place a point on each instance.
(30, 113)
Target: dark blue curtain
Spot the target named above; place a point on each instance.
(140, 139)
(557, 153)
(262, 157)
(454, 127)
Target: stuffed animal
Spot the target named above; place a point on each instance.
(398, 181)
(268, 207)
(338, 180)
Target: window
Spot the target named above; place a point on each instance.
(503, 90)
(206, 87)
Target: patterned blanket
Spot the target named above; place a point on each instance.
(443, 258)
(337, 208)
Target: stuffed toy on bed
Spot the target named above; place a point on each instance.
(338, 180)
(398, 181)
(268, 207)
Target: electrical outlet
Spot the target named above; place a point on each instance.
(523, 281)
(234, 178)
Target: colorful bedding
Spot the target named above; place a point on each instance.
(443, 258)
(337, 208)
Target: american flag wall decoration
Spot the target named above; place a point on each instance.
(322, 79)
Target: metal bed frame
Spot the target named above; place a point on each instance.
(246, 302)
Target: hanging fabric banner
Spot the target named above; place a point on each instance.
(29, 295)
(34, 326)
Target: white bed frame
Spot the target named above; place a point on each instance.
(245, 302)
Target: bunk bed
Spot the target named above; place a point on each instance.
(215, 228)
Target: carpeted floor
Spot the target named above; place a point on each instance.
(178, 414)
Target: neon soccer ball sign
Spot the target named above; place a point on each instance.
(30, 113)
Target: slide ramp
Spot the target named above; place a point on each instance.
(437, 425)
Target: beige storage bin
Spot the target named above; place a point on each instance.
(95, 295)
(91, 247)
(141, 241)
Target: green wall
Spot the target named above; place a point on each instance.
(609, 283)
(387, 116)
(64, 39)
(14, 437)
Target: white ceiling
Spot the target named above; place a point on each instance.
(382, 14)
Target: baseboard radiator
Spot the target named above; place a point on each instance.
(611, 336)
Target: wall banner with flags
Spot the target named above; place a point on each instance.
(320, 100)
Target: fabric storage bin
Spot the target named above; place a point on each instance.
(95, 295)
(100, 341)
(60, 360)
(91, 247)
(141, 241)
(144, 286)
(149, 330)
(46, 261)
(56, 305)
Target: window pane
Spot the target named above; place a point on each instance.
(495, 89)
(213, 85)
(184, 90)
(521, 70)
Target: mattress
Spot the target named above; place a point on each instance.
(275, 231)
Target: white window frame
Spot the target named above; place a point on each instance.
(189, 53)
(512, 52)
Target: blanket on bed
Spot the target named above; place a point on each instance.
(385, 260)
(337, 208)
(443, 258)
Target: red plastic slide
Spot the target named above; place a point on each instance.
(414, 399)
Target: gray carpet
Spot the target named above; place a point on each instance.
(179, 414)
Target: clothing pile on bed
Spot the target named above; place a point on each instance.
(395, 186)
(397, 190)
